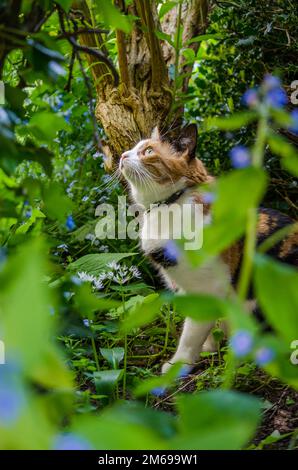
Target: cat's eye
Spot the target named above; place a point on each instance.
(148, 151)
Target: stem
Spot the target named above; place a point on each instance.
(125, 350)
(252, 216)
(177, 47)
(94, 350)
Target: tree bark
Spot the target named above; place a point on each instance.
(146, 93)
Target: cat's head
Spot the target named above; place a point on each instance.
(158, 167)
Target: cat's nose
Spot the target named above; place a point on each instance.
(124, 155)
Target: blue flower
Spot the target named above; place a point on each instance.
(28, 214)
(270, 82)
(11, 403)
(71, 441)
(208, 198)
(184, 371)
(241, 343)
(159, 391)
(76, 280)
(12, 397)
(171, 251)
(70, 223)
(294, 126)
(264, 355)
(276, 98)
(240, 156)
(3, 256)
(251, 98)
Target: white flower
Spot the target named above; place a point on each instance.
(86, 277)
(135, 272)
(98, 284)
(113, 265)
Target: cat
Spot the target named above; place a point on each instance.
(164, 171)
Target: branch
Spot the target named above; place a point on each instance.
(87, 50)
(122, 57)
(158, 66)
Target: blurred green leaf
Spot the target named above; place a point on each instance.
(284, 149)
(230, 122)
(216, 420)
(112, 16)
(276, 288)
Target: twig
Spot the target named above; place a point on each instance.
(87, 50)
(72, 60)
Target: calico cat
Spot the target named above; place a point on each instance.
(161, 171)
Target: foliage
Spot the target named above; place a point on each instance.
(85, 322)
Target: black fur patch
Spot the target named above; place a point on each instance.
(160, 256)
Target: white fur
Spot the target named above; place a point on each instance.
(211, 278)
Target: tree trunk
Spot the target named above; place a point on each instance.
(146, 95)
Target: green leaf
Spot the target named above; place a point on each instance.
(284, 149)
(200, 307)
(204, 37)
(162, 381)
(144, 312)
(216, 420)
(165, 8)
(276, 288)
(57, 205)
(36, 214)
(114, 356)
(230, 122)
(235, 194)
(96, 263)
(45, 125)
(106, 380)
(165, 37)
(88, 303)
(65, 4)
(189, 55)
(112, 16)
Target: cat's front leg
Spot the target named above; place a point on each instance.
(190, 345)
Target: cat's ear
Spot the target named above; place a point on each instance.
(188, 139)
(155, 134)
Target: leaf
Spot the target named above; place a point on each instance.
(88, 303)
(189, 55)
(45, 125)
(96, 263)
(235, 194)
(276, 288)
(204, 37)
(36, 214)
(216, 420)
(200, 307)
(165, 37)
(230, 122)
(165, 8)
(65, 4)
(106, 380)
(162, 381)
(284, 149)
(57, 205)
(112, 16)
(114, 356)
(144, 312)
